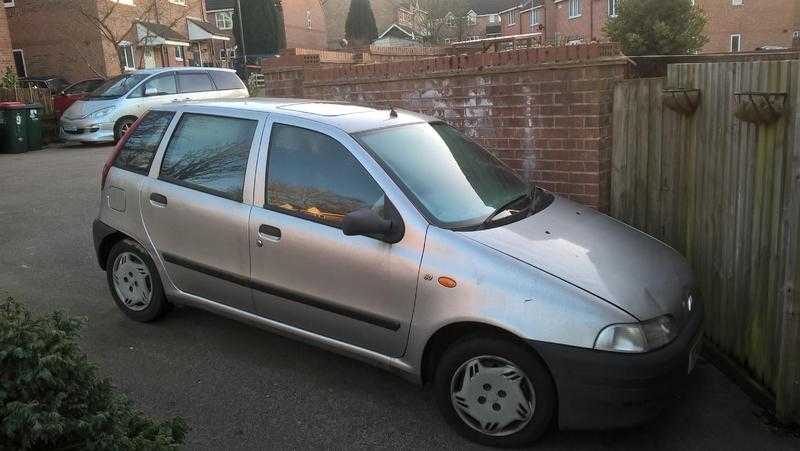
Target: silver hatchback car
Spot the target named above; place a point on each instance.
(390, 237)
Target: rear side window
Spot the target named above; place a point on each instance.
(195, 82)
(141, 146)
(227, 80)
(209, 154)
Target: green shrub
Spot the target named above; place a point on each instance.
(52, 398)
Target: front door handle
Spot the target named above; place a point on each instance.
(269, 232)
(158, 200)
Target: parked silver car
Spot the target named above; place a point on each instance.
(390, 237)
(107, 112)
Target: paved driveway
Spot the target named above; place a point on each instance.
(243, 388)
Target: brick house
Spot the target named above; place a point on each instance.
(303, 20)
(87, 38)
(386, 12)
(6, 49)
(747, 25)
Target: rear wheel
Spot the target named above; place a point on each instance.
(495, 391)
(122, 126)
(134, 282)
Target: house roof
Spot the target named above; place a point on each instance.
(201, 30)
(162, 31)
(213, 5)
(482, 7)
(396, 31)
(208, 27)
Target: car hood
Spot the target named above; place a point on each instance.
(599, 254)
(83, 108)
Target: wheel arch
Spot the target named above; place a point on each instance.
(106, 244)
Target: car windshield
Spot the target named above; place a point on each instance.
(116, 87)
(455, 181)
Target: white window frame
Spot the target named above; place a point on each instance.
(180, 53)
(24, 64)
(796, 35)
(472, 18)
(178, 2)
(575, 9)
(536, 16)
(450, 20)
(221, 22)
(494, 18)
(8, 3)
(128, 46)
(308, 19)
(613, 8)
(738, 37)
(512, 18)
(737, 2)
(124, 2)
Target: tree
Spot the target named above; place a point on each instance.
(658, 27)
(258, 27)
(436, 23)
(360, 26)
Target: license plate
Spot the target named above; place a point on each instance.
(693, 354)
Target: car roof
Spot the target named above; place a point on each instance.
(159, 70)
(348, 117)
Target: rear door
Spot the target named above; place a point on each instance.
(195, 85)
(197, 205)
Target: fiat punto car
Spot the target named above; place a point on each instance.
(391, 237)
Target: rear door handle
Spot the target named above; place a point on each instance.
(269, 232)
(158, 200)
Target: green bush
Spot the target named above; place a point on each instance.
(52, 398)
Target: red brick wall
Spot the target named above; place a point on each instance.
(6, 59)
(298, 34)
(546, 112)
(759, 22)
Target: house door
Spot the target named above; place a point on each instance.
(149, 58)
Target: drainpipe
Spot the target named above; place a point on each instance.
(241, 32)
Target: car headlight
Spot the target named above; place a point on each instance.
(637, 337)
(103, 112)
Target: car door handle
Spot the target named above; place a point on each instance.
(269, 232)
(159, 200)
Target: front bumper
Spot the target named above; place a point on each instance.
(602, 390)
(85, 130)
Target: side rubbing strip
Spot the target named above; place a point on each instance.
(285, 294)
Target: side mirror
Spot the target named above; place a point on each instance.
(366, 222)
(150, 91)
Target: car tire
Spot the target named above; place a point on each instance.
(122, 125)
(134, 282)
(491, 403)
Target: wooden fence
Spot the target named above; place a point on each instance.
(726, 194)
(30, 95)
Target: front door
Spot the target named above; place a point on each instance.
(305, 272)
(149, 58)
(196, 212)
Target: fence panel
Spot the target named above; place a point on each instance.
(722, 192)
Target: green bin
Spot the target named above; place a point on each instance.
(34, 125)
(15, 137)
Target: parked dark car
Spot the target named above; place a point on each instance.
(54, 84)
(73, 93)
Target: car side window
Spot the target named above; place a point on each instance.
(162, 84)
(209, 154)
(313, 176)
(195, 82)
(226, 80)
(79, 88)
(140, 148)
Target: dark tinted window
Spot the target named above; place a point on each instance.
(311, 175)
(162, 85)
(141, 146)
(226, 80)
(195, 82)
(209, 154)
(83, 86)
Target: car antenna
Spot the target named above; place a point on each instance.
(392, 112)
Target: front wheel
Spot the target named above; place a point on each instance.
(495, 391)
(122, 126)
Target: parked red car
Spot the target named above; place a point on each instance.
(73, 93)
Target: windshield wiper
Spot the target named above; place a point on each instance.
(507, 206)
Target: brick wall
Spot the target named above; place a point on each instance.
(546, 112)
(760, 23)
(6, 59)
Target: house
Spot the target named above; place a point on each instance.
(386, 12)
(303, 21)
(480, 19)
(7, 55)
(87, 38)
(747, 25)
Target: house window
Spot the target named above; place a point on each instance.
(574, 8)
(472, 18)
(494, 18)
(404, 17)
(511, 17)
(8, 3)
(796, 35)
(125, 52)
(180, 53)
(450, 20)
(19, 62)
(178, 2)
(613, 8)
(447, 41)
(308, 19)
(536, 16)
(224, 20)
(736, 43)
(737, 2)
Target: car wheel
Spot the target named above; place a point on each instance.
(494, 391)
(134, 282)
(122, 126)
